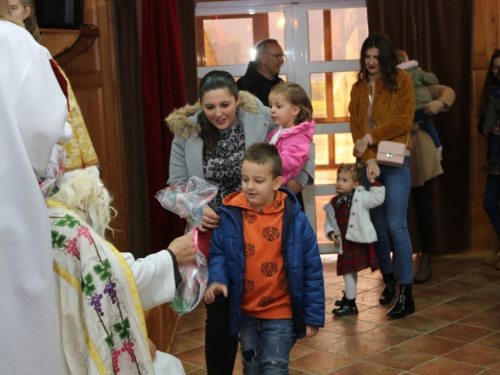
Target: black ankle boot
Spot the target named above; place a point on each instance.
(389, 291)
(348, 308)
(340, 302)
(404, 305)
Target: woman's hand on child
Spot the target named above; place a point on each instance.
(214, 290)
(210, 220)
(372, 170)
(360, 146)
(434, 107)
(311, 331)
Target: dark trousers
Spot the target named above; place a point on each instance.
(220, 347)
(491, 202)
(494, 147)
(422, 197)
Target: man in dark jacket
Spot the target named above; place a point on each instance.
(262, 74)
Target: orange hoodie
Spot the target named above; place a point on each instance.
(265, 290)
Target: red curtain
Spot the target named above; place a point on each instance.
(438, 34)
(162, 91)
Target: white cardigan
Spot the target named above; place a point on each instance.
(360, 228)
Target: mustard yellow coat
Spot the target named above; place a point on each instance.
(392, 112)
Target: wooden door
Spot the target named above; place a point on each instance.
(93, 78)
(486, 40)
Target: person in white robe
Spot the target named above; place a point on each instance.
(101, 293)
(33, 110)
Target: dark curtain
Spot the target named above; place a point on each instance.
(162, 91)
(186, 11)
(438, 34)
(129, 83)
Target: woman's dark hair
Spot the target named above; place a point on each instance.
(387, 60)
(488, 85)
(216, 79)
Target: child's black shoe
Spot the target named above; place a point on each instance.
(340, 302)
(348, 308)
(493, 168)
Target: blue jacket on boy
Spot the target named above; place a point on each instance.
(302, 262)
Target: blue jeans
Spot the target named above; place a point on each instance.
(491, 202)
(265, 345)
(427, 125)
(390, 219)
(494, 147)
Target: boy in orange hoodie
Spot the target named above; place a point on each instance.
(264, 257)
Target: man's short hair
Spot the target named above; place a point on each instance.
(264, 153)
(262, 47)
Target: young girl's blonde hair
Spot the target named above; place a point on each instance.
(402, 56)
(296, 95)
(30, 21)
(84, 193)
(355, 170)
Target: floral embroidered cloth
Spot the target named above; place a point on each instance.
(100, 314)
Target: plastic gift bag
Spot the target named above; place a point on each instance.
(51, 180)
(194, 282)
(188, 202)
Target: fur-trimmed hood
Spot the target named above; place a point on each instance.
(183, 121)
(408, 65)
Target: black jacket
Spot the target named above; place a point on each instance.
(257, 84)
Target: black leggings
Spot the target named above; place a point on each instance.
(220, 347)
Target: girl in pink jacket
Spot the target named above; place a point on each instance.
(291, 111)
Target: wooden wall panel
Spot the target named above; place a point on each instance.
(93, 77)
(486, 40)
(162, 323)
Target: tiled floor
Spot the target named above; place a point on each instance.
(455, 330)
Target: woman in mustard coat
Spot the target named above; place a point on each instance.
(381, 109)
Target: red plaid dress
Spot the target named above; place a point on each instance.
(356, 256)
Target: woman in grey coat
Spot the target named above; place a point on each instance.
(210, 138)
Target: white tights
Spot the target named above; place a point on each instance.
(350, 280)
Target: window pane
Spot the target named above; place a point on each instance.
(331, 151)
(276, 28)
(316, 35)
(336, 34)
(322, 151)
(318, 95)
(320, 201)
(330, 95)
(343, 148)
(227, 42)
(231, 39)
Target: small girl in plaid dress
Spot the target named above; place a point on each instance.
(348, 224)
